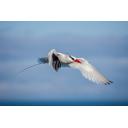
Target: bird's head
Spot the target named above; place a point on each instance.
(75, 59)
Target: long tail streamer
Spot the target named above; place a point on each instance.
(29, 67)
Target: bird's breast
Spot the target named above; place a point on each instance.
(65, 59)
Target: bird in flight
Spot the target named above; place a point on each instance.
(57, 60)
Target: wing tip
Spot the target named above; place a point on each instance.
(108, 82)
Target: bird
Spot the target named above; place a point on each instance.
(58, 60)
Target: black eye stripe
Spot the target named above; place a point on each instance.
(71, 57)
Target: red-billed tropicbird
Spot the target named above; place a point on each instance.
(57, 60)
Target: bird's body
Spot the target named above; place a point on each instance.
(57, 60)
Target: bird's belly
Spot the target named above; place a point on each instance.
(65, 60)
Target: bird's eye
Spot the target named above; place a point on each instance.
(71, 57)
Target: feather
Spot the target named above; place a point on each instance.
(43, 60)
(90, 72)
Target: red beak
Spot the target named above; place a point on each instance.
(77, 60)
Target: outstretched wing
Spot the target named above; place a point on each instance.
(54, 60)
(56, 64)
(90, 72)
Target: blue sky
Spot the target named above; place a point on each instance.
(104, 44)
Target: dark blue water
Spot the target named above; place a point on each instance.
(62, 103)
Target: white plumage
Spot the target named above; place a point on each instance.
(57, 60)
(90, 72)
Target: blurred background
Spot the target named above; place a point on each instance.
(103, 44)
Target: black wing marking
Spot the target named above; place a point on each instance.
(56, 62)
